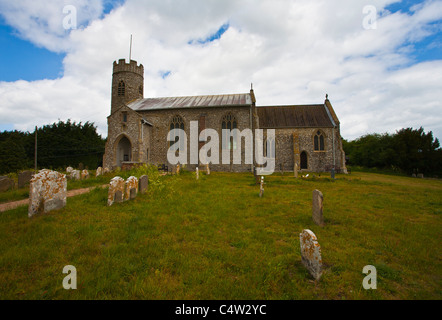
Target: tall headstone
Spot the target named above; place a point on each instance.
(311, 253)
(261, 187)
(6, 183)
(47, 191)
(24, 178)
(143, 183)
(317, 207)
(116, 185)
(131, 188)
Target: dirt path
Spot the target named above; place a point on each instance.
(71, 193)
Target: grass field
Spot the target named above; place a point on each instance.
(216, 239)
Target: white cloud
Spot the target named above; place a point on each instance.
(293, 51)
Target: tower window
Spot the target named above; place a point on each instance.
(318, 141)
(124, 116)
(177, 123)
(121, 89)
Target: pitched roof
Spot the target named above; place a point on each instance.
(222, 100)
(298, 116)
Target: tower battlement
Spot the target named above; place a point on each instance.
(132, 66)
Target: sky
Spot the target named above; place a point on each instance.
(379, 61)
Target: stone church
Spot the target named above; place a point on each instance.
(305, 135)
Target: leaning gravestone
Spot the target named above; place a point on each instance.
(317, 206)
(261, 187)
(47, 192)
(116, 190)
(131, 188)
(311, 253)
(143, 183)
(24, 178)
(6, 183)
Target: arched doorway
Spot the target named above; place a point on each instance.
(304, 163)
(124, 151)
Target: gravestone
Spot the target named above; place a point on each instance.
(69, 170)
(116, 185)
(47, 192)
(24, 178)
(207, 169)
(317, 206)
(84, 174)
(197, 173)
(75, 175)
(131, 184)
(261, 187)
(311, 253)
(106, 170)
(413, 175)
(143, 183)
(99, 172)
(420, 175)
(6, 183)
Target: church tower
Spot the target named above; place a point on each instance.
(127, 83)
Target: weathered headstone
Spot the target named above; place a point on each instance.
(131, 184)
(116, 185)
(99, 172)
(106, 170)
(75, 175)
(317, 206)
(143, 183)
(261, 187)
(420, 175)
(6, 183)
(84, 174)
(311, 253)
(47, 192)
(413, 175)
(197, 173)
(69, 170)
(24, 178)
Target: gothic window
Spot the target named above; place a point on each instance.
(124, 116)
(318, 141)
(177, 123)
(229, 123)
(121, 89)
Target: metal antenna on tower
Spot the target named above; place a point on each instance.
(130, 48)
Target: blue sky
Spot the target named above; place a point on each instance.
(212, 47)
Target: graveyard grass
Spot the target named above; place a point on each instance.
(214, 238)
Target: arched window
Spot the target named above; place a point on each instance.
(121, 89)
(318, 141)
(229, 123)
(177, 123)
